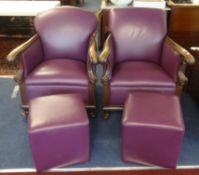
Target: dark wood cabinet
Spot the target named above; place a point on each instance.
(184, 18)
(15, 27)
(72, 2)
(183, 27)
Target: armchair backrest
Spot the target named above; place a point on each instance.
(65, 32)
(138, 33)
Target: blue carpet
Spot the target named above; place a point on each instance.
(105, 134)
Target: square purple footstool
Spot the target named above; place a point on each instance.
(58, 131)
(152, 129)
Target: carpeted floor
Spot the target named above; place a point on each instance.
(105, 135)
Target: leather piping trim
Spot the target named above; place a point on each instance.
(91, 62)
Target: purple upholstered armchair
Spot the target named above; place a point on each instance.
(137, 55)
(61, 57)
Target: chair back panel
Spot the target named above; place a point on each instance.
(65, 32)
(138, 33)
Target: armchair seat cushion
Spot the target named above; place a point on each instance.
(59, 72)
(141, 74)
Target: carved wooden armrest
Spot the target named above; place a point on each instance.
(17, 51)
(104, 55)
(19, 78)
(91, 72)
(104, 59)
(107, 73)
(92, 60)
(185, 55)
(92, 51)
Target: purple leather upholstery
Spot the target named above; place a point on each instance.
(138, 33)
(142, 60)
(138, 75)
(57, 61)
(111, 56)
(65, 32)
(58, 135)
(54, 72)
(31, 57)
(170, 61)
(51, 77)
(33, 91)
(141, 74)
(152, 129)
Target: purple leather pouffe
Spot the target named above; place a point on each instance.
(58, 131)
(152, 129)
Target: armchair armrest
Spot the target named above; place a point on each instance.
(106, 59)
(14, 54)
(92, 51)
(92, 60)
(30, 54)
(174, 60)
(185, 55)
(173, 56)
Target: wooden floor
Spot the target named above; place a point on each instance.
(138, 172)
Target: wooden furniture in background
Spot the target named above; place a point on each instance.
(16, 26)
(12, 12)
(72, 2)
(184, 29)
(6, 45)
(184, 18)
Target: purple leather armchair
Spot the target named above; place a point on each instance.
(61, 57)
(138, 55)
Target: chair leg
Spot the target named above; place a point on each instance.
(106, 100)
(181, 86)
(92, 99)
(179, 90)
